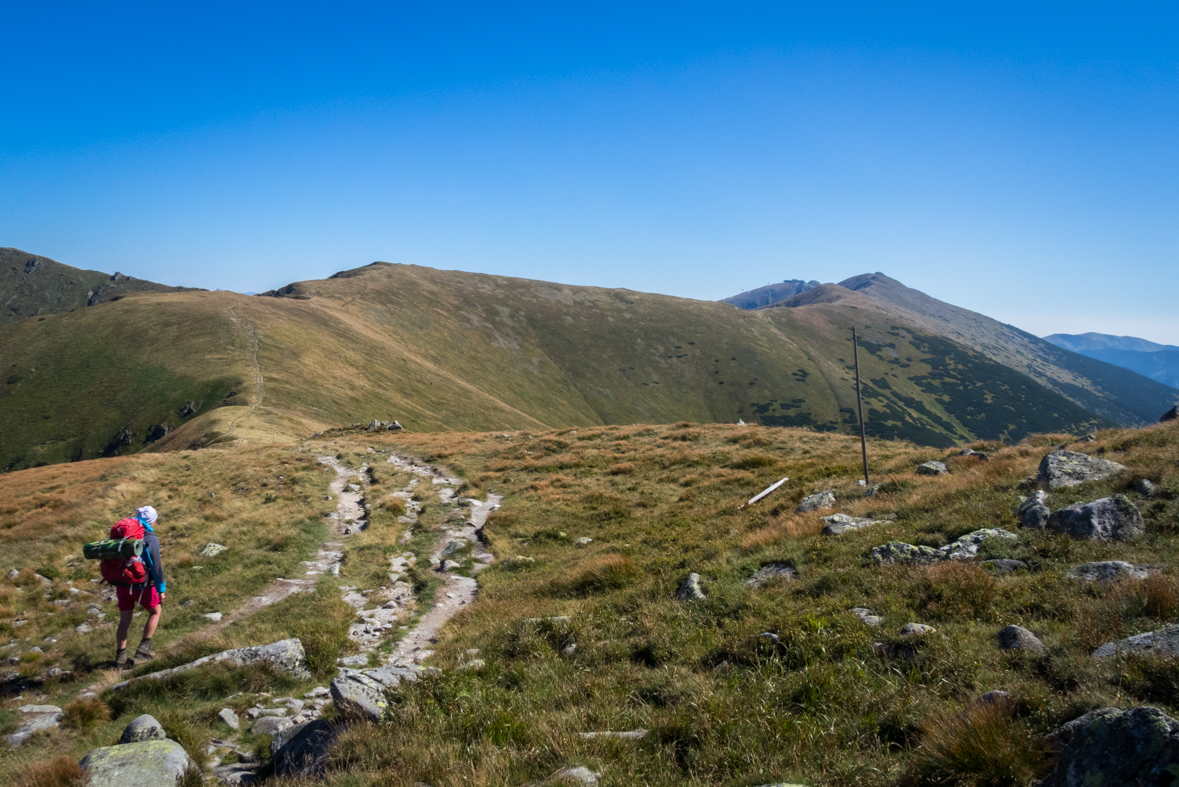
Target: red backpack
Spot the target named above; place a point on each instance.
(125, 571)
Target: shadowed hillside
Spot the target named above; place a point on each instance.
(1159, 362)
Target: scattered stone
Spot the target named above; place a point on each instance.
(450, 565)
(270, 725)
(1170, 415)
(158, 763)
(628, 735)
(1146, 487)
(817, 501)
(359, 660)
(1108, 519)
(83, 628)
(1163, 642)
(584, 541)
(1005, 565)
(143, 728)
(214, 616)
(35, 718)
(13, 574)
(276, 712)
(1019, 638)
(916, 630)
(1106, 571)
(899, 552)
(838, 524)
(690, 589)
(1139, 746)
(932, 468)
(569, 649)
(867, 616)
(772, 571)
(318, 691)
(212, 550)
(473, 664)
(578, 775)
(994, 697)
(361, 694)
(230, 718)
(287, 656)
(968, 545)
(771, 636)
(1033, 512)
(301, 750)
(1069, 468)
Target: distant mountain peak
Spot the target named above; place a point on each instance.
(769, 294)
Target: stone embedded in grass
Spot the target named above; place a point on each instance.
(867, 616)
(817, 501)
(473, 664)
(578, 775)
(35, 718)
(968, 545)
(286, 656)
(214, 616)
(212, 550)
(302, 750)
(932, 468)
(1139, 746)
(1070, 468)
(1108, 519)
(895, 552)
(1019, 638)
(1107, 571)
(1163, 642)
(626, 735)
(771, 571)
(1033, 512)
(450, 565)
(158, 763)
(916, 630)
(143, 728)
(361, 694)
(584, 541)
(270, 725)
(838, 524)
(1004, 565)
(690, 589)
(1145, 487)
(230, 718)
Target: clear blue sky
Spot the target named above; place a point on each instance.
(1020, 162)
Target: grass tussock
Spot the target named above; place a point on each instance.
(61, 771)
(984, 745)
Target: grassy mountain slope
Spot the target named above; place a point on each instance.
(453, 351)
(31, 285)
(1111, 392)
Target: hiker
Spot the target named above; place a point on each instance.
(149, 595)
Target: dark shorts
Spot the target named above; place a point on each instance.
(147, 597)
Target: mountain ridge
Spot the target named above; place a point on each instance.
(1159, 362)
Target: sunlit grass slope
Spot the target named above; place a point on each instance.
(443, 350)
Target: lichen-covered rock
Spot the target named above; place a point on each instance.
(1163, 642)
(1109, 747)
(143, 728)
(817, 501)
(1070, 468)
(155, 763)
(932, 468)
(1019, 638)
(1033, 512)
(1004, 565)
(838, 524)
(1108, 519)
(286, 656)
(360, 694)
(34, 718)
(302, 750)
(916, 630)
(213, 550)
(967, 546)
(772, 571)
(1106, 571)
(899, 552)
(690, 590)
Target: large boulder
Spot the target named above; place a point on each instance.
(1106, 571)
(145, 764)
(144, 728)
(899, 552)
(1108, 519)
(360, 694)
(302, 750)
(838, 524)
(824, 499)
(1070, 468)
(1163, 642)
(34, 718)
(1137, 747)
(286, 656)
(1033, 512)
(967, 546)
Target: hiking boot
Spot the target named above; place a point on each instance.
(121, 659)
(143, 652)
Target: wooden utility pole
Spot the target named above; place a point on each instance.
(860, 407)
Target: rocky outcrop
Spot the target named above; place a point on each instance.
(1106, 571)
(817, 501)
(1163, 642)
(1137, 747)
(1108, 519)
(690, 589)
(157, 763)
(1033, 512)
(34, 718)
(895, 552)
(967, 546)
(143, 728)
(1069, 468)
(770, 572)
(286, 656)
(360, 694)
(1019, 638)
(932, 468)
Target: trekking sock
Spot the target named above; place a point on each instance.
(121, 658)
(144, 650)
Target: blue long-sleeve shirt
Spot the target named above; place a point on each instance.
(155, 568)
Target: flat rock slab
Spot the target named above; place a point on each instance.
(898, 552)
(967, 546)
(1163, 642)
(838, 524)
(1108, 519)
(146, 764)
(1069, 468)
(1107, 571)
(270, 725)
(817, 501)
(360, 694)
(35, 718)
(1110, 747)
(770, 572)
(285, 655)
(932, 468)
